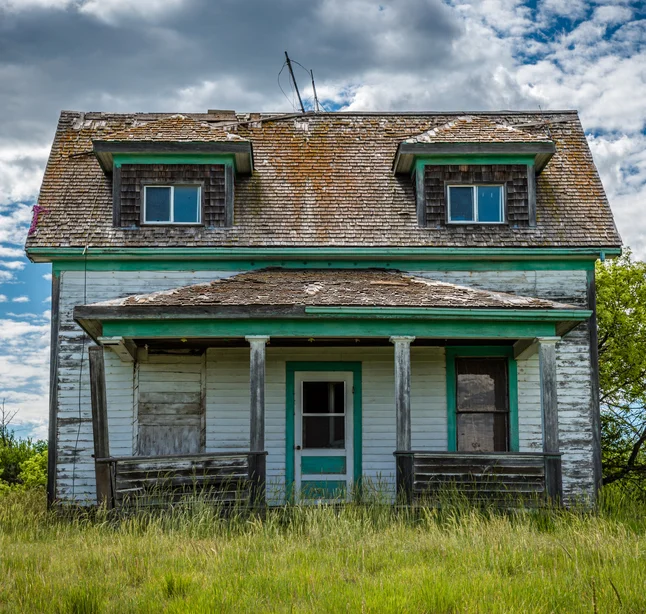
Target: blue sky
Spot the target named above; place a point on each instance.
(194, 55)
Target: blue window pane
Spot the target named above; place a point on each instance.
(489, 203)
(461, 199)
(187, 206)
(157, 204)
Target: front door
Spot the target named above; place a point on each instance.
(323, 435)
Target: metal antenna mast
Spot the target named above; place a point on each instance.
(316, 100)
(291, 72)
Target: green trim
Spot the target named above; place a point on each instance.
(399, 265)
(357, 422)
(512, 368)
(457, 313)
(350, 254)
(324, 327)
(225, 159)
(446, 159)
(313, 465)
(323, 489)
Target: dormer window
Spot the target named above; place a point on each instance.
(480, 204)
(174, 204)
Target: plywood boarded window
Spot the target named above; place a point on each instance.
(171, 406)
(482, 404)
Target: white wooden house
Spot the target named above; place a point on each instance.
(323, 304)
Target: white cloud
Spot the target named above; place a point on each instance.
(47, 300)
(20, 299)
(14, 265)
(6, 276)
(24, 361)
(47, 276)
(14, 223)
(11, 252)
(21, 169)
(109, 11)
(3, 298)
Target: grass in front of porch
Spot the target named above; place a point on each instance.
(370, 558)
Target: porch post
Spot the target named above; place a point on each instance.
(257, 461)
(100, 425)
(549, 407)
(402, 410)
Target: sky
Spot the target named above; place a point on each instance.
(194, 55)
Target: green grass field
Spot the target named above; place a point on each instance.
(369, 558)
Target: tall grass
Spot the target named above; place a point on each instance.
(372, 557)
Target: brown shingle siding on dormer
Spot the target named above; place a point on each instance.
(513, 176)
(135, 176)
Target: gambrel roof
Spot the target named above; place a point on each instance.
(321, 180)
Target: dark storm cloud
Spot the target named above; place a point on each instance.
(52, 59)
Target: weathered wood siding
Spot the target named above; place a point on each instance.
(225, 385)
(170, 406)
(512, 176)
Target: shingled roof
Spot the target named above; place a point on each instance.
(172, 129)
(481, 129)
(343, 288)
(320, 180)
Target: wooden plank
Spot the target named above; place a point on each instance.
(170, 408)
(257, 462)
(595, 411)
(155, 398)
(229, 187)
(116, 196)
(549, 405)
(52, 444)
(531, 194)
(171, 420)
(100, 424)
(420, 198)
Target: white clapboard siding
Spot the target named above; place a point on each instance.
(225, 384)
(75, 465)
(530, 422)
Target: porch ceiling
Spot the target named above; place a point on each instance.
(287, 299)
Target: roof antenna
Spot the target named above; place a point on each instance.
(291, 72)
(316, 100)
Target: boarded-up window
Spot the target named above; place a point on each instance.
(171, 407)
(482, 403)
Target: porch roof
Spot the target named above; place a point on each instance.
(246, 300)
(342, 288)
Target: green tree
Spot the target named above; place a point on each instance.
(621, 312)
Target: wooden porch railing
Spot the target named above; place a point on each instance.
(497, 478)
(147, 481)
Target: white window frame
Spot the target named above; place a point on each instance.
(172, 204)
(474, 187)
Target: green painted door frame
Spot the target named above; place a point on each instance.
(291, 368)
(451, 389)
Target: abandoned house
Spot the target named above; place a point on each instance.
(316, 307)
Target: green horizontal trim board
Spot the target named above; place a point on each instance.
(246, 265)
(451, 388)
(323, 489)
(446, 159)
(291, 367)
(351, 327)
(226, 159)
(351, 254)
(457, 313)
(322, 464)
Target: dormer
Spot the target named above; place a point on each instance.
(473, 171)
(175, 171)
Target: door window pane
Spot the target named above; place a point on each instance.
(186, 206)
(482, 404)
(489, 203)
(157, 204)
(323, 398)
(461, 203)
(323, 432)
